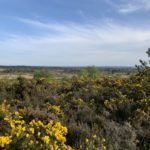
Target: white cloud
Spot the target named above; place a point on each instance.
(76, 44)
(130, 6)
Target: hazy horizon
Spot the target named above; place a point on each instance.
(74, 33)
(22, 65)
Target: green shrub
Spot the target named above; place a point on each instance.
(91, 72)
(43, 74)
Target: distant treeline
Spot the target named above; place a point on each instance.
(30, 69)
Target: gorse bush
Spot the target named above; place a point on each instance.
(19, 134)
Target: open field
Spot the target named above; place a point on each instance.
(60, 72)
(14, 76)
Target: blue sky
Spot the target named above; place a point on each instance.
(74, 32)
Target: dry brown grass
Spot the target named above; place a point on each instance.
(16, 75)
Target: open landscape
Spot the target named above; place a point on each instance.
(75, 108)
(74, 75)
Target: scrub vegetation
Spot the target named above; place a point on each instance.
(86, 111)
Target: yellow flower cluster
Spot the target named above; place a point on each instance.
(46, 139)
(32, 134)
(55, 109)
(89, 143)
(4, 107)
(55, 133)
(5, 140)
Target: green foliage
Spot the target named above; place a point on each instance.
(144, 67)
(43, 74)
(90, 72)
(84, 73)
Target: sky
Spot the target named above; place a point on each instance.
(74, 32)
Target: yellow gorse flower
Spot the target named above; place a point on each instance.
(5, 140)
(31, 130)
(46, 139)
(31, 142)
(51, 135)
